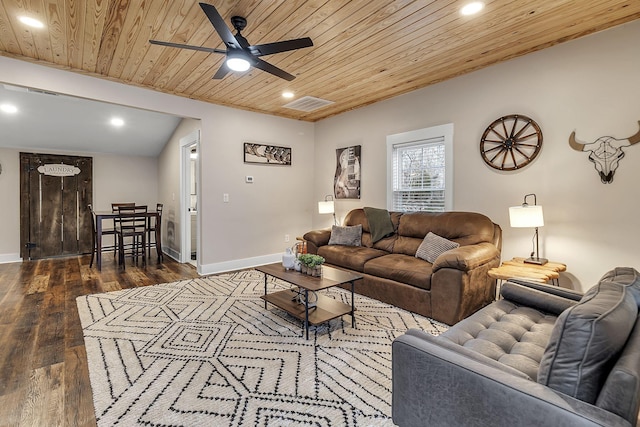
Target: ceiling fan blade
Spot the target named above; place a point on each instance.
(219, 25)
(265, 66)
(222, 71)
(186, 46)
(277, 47)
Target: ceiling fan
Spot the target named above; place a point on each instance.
(240, 54)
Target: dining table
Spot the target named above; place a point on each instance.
(100, 216)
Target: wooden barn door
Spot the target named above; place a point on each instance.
(54, 215)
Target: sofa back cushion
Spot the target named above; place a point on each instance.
(464, 228)
(587, 340)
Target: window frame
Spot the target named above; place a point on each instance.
(418, 137)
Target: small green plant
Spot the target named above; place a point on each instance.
(310, 260)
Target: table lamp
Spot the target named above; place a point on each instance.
(530, 217)
(328, 207)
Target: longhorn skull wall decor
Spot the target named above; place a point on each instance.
(605, 153)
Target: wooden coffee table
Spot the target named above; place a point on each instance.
(326, 308)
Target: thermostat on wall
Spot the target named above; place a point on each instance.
(248, 179)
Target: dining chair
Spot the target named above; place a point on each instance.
(131, 233)
(154, 227)
(94, 235)
(114, 209)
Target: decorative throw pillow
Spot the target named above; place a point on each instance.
(432, 246)
(346, 236)
(584, 340)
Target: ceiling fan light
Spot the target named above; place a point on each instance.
(238, 64)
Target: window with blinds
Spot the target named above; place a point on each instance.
(420, 170)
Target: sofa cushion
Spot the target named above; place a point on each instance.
(513, 335)
(401, 268)
(465, 228)
(625, 276)
(586, 339)
(346, 236)
(433, 245)
(351, 257)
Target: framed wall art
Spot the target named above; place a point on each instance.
(255, 152)
(347, 178)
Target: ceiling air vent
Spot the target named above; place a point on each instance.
(42, 92)
(308, 104)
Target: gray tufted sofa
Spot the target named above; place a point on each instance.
(540, 356)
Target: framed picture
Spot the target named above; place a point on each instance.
(346, 184)
(266, 154)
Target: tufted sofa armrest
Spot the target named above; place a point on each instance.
(466, 258)
(549, 289)
(546, 298)
(435, 385)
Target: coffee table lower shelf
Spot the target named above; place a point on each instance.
(326, 308)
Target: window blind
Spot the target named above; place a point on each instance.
(419, 176)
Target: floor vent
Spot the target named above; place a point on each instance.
(308, 104)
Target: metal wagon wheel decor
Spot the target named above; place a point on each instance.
(511, 142)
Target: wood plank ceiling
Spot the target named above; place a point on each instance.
(364, 50)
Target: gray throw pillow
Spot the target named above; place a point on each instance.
(346, 236)
(585, 339)
(433, 245)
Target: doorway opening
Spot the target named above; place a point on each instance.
(190, 226)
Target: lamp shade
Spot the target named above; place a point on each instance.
(326, 207)
(526, 216)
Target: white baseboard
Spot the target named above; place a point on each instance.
(172, 253)
(239, 264)
(7, 258)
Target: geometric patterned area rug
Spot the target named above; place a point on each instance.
(205, 352)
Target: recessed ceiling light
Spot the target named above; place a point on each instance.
(287, 94)
(117, 121)
(8, 108)
(472, 8)
(32, 22)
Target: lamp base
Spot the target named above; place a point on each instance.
(536, 260)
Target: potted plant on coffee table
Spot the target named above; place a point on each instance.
(311, 264)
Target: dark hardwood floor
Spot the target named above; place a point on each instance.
(44, 378)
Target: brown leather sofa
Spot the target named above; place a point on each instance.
(451, 288)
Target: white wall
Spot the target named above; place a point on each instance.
(251, 227)
(120, 179)
(589, 85)
(10, 206)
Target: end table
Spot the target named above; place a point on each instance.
(516, 268)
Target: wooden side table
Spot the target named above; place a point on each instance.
(518, 269)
